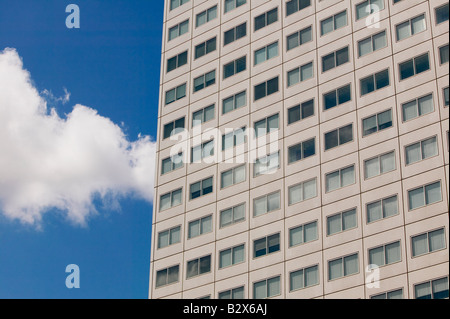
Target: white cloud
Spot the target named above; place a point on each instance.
(48, 162)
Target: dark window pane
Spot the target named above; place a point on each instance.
(342, 56)
(382, 79)
(228, 70)
(168, 128)
(260, 91)
(205, 264)
(241, 64)
(272, 16)
(344, 94)
(442, 14)
(291, 7)
(367, 85)
(273, 243)
(260, 22)
(330, 100)
(210, 45)
(182, 59)
(229, 36)
(328, 62)
(295, 153)
(345, 134)
(307, 109)
(331, 139)
(422, 63)
(294, 114)
(259, 247)
(200, 50)
(406, 69)
(304, 4)
(171, 64)
(272, 86)
(384, 119)
(241, 31)
(309, 148)
(179, 125)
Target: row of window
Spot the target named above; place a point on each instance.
(304, 277)
(368, 84)
(410, 110)
(327, 25)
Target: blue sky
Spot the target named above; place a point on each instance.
(110, 64)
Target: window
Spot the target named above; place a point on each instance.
(300, 74)
(232, 215)
(198, 266)
(266, 164)
(303, 234)
(266, 19)
(334, 59)
(301, 111)
(267, 288)
(428, 242)
(382, 208)
(236, 293)
(434, 289)
(234, 67)
(377, 122)
(204, 80)
(294, 6)
(332, 23)
(266, 204)
(341, 222)
(385, 255)
(169, 237)
(379, 165)
(446, 96)
(266, 125)
(368, 7)
(414, 66)
(337, 97)
(395, 294)
(442, 14)
(206, 16)
(201, 188)
(176, 93)
(424, 195)
(302, 191)
(266, 53)
(266, 245)
(176, 3)
(304, 278)
(234, 102)
(167, 276)
(417, 107)
(170, 199)
(374, 82)
(205, 48)
(344, 266)
(301, 150)
(178, 30)
(421, 150)
(340, 178)
(202, 151)
(443, 54)
(171, 163)
(298, 38)
(266, 88)
(232, 176)
(176, 61)
(202, 116)
(200, 226)
(235, 138)
(173, 128)
(233, 4)
(339, 136)
(235, 33)
(231, 256)
(372, 43)
(410, 27)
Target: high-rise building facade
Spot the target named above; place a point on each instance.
(303, 150)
